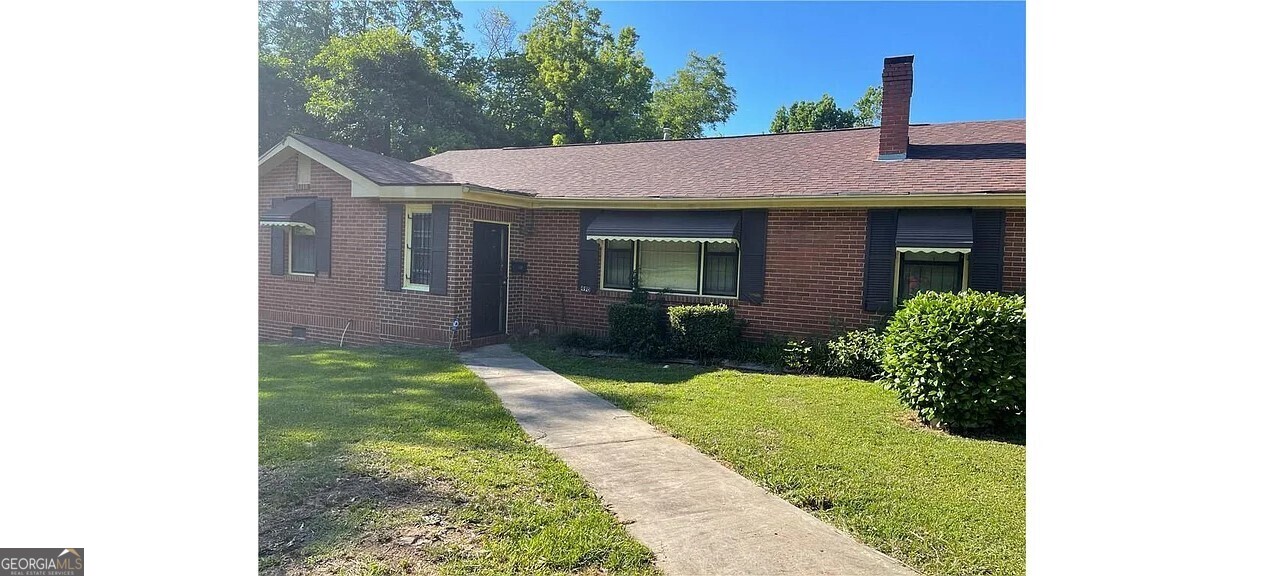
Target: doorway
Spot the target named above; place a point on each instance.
(490, 279)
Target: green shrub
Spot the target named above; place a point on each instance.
(638, 329)
(856, 354)
(704, 331)
(959, 359)
(805, 356)
(770, 352)
(577, 339)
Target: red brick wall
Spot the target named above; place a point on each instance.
(1014, 251)
(815, 273)
(814, 277)
(354, 290)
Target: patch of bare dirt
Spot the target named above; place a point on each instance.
(402, 525)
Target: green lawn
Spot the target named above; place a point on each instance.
(844, 449)
(396, 461)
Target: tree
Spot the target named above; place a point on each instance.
(804, 115)
(497, 31)
(379, 91)
(293, 33)
(696, 95)
(825, 114)
(869, 109)
(282, 96)
(594, 86)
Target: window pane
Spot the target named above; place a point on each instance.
(303, 256)
(721, 260)
(930, 271)
(420, 248)
(618, 264)
(673, 266)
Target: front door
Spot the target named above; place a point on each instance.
(490, 279)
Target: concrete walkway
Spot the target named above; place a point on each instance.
(695, 514)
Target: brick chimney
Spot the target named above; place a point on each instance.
(898, 85)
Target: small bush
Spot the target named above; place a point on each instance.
(638, 329)
(856, 354)
(704, 332)
(577, 339)
(770, 352)
(805, 356)
(959, 359)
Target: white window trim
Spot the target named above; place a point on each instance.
(896, 268)
(601, 271)
(289, 253)
(411, 210)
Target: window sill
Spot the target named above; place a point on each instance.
(672, 294)
(415, 288)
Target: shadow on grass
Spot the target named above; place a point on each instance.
(317, 400)
(1016, 437)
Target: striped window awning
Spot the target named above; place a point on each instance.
(292, 213)
(666, 226)
(927, 250)
(934, 229)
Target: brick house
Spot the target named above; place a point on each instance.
(799, 232)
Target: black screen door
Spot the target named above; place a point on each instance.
(490, 278)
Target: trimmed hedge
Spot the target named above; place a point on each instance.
(959, 359)
(638, 329)
(704, 331)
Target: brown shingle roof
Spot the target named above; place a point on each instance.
(955, 158)
(377, 167)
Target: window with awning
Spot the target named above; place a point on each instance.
(300, 235)
(686, 252)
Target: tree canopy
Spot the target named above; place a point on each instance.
(825, 114)
(399, 78)
(695, 96)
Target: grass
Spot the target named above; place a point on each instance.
(394, 461)
(844, 449)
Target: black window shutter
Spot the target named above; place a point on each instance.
(985, 263)
(753, 255)
(880, 260)
(324, 212)
(394, 246)
(276, 262)
(588, 253)
(439, 244)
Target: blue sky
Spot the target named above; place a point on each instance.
(969, 56)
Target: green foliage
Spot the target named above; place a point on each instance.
(378, 91)
(869, 109)
(389, 425)
(704, 331)
(804, 115)
(959, 359)
(577, 339)
(943, 504)
(696, 95)
(856, 354)
(594, 85)
(282, 96)
(805, 356)
(638, 329)
(327, 69)
(825, 114)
